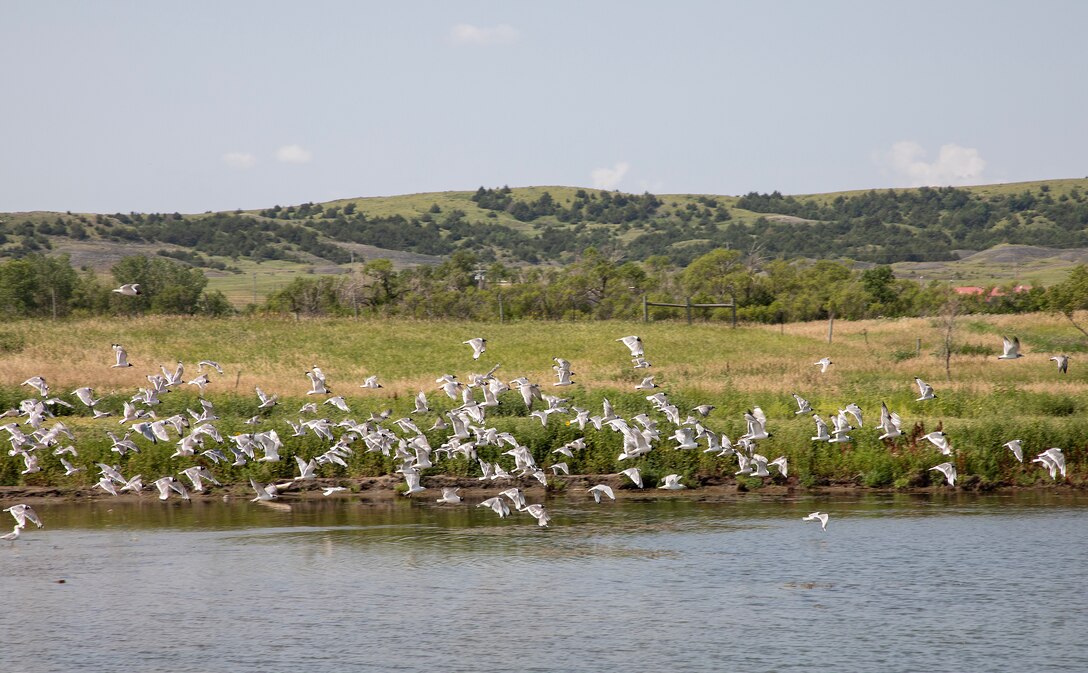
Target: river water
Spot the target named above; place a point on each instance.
(954, 582)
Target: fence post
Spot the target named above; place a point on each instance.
(918, 347)
(645, 310)
(830, 326)
(688, 309)
(734, 309)
(502, 316)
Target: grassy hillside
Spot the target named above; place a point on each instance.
(924, 232)
(987, 402)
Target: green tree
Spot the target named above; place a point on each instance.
(166, 286)
(1070, 296)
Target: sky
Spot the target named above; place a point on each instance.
(154, 106)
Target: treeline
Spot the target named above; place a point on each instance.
(37, 286)
(597, 287)
(947, 217)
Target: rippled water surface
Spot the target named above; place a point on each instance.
(896, 583)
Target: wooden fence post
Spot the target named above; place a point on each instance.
(645, 309)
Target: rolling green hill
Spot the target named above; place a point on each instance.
(924, 232)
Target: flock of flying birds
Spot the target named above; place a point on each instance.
(199, 442)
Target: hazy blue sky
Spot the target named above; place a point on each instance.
(192, 106)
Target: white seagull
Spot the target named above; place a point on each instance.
(449, 495)
(602, 489)
(24, 513)
(948, 470)
(817, 516)
(1053, 460)
(478, 344)
(940, 440)
(121, 355)
(671, 482)
(633, 474)
(925, 391)
(129, 289)
(634, 344)
(1063, 363)
(823, 364)
(1011, 348)
(1016, 449)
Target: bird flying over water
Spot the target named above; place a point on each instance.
(948, 470)
(817, 516)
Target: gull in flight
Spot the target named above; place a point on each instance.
(671, 482)
(823, 364)
(634, 344)
(948, 470)
(647, 384)
(338, 402)
(633, 474)
(129, 289)
(197, 474)
(208, 363)
(329, 490)
(317, 382)
(167, 484)
(1063, 363)
(1053, 460)
(120, 355)
(449, 495)
(1016, 449)
(803, 407)
(267, 401)
(1011, 348)
(602, 489)
(263, 492)
(86, 396)
(24, 513)
(890, 423)
(925, 391)
(498, 505)
(305, 469)
(538, 513)
(39, 384)
(940, 440)
(817, 516)
(478, 344)
(371, 382)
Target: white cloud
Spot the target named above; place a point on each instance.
(466, 34)
(610, 178)
(239, 160)
(294, 154)
(955, 165)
